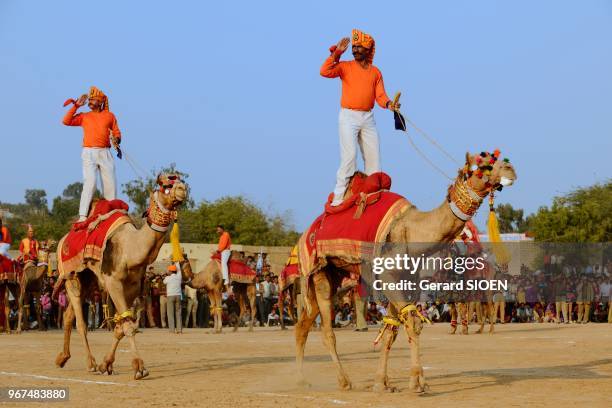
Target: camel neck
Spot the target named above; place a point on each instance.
(150, 242)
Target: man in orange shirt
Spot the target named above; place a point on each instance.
(97, 125)
(224, 248)
(28, 247)
(5, 240)
(362, 84)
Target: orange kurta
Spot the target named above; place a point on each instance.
(360, 87)
(225, 241)
(5, 237)
(96, 126)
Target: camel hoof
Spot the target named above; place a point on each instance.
(145, 373)
(138, 375)
(344, 384)
(381, 387)
(61, 359)
(106, 367)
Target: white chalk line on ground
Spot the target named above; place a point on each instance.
(44, 377)
(274, 394)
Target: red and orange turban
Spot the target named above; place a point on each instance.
(366, 41)
(98, 94)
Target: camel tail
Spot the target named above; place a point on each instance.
(304, 288)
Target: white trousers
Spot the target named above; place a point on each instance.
(356, 128)
(225, 255)
(97, 160)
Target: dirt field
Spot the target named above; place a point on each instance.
(535, 364)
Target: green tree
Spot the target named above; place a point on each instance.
(247, 223)
(36, 199)
(510, 220)
(583, 215)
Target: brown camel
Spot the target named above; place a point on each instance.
(127, 253)
(31, 284)
(441, 225)
(211, 279)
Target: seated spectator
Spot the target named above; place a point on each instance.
(273, 317)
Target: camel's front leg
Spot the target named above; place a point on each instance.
(20, 308)
(107, 363)
(453, 313)
(322, 288)
(73, 290)
(302, 328)
(64, 355)
(413, 326)
(125, 321)
(252, 298)
(381, 382)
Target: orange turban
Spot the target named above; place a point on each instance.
(366, 41)
(172, 268)
(98, 94)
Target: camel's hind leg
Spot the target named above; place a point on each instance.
(73, 290)
(64, 355)
(322, 287)
(281, 309)
(240, 294)
(302, 328)
(7, 309)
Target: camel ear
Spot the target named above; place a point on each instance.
(158, 181)
(468, 159)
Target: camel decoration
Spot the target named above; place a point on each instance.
(31, 284)
(126, 252)
(480, 176)
(211, 279)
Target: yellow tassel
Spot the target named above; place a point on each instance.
(177, 254)
(49, 270)
(502, 256)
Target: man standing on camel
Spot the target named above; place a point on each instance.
(362, 84)
(225, 250)
(97, 125)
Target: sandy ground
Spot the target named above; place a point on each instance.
(521, 364)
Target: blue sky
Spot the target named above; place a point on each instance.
(231, 92)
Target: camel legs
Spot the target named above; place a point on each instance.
(302, 328)
(251, 295)
(215, 306)
(7, 308)
(64, 355)
(462, 310)
(322, 289)
(107, 363)
(127, 326)
(73, 290)
(20, 307)
(381, 382)
(413, 329)
(281, 314)
(453, 313)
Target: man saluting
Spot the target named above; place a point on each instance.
(97, 125)
(362, 84)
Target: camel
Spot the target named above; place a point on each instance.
(474, 182)
(127, 253)
(211, 279)
(31, 284)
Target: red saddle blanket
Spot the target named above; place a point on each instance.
(239, 271)
(351, 231)
(86, 240)
(11, 271)
(288, 275)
